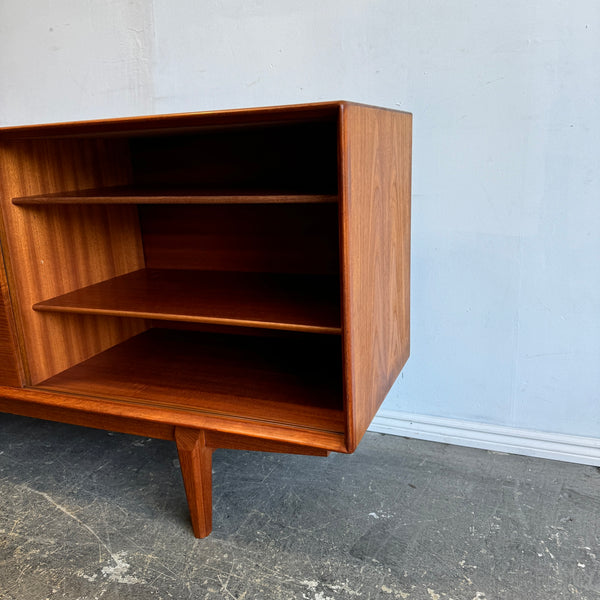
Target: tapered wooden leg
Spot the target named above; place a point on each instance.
(195, 459)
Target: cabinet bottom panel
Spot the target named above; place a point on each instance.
(294, 380)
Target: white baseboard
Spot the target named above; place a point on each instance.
(556, 446)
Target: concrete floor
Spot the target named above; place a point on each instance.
(87, 514)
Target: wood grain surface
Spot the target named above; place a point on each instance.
(132, 194)
(53, 250)
(127, 416)
(268, 300)
(276, 238)
(375, 243)
(10, 363)
(195, 460)
(293, 381)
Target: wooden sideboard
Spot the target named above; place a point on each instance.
(232, 279)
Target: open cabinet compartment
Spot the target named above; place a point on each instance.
(231, 276)
(251, 242)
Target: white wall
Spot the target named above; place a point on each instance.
(62, 60)
(506, 187)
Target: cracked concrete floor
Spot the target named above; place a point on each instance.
(87, 514)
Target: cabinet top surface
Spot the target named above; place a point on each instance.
(180, 122)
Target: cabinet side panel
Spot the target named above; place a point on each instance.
(50, 250)
(375, 244)
(9, 361)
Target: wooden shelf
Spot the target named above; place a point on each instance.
(131, 194)
(294, 380)
(296, 302)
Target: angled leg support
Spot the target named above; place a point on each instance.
(195, 458)
(195, 447)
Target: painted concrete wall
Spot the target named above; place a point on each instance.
(506, 185)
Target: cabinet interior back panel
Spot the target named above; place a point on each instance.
(281, 238)
(297, 157)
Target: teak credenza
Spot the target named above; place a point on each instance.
(233, 279)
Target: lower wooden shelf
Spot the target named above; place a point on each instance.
(292, 380)
(297, 302)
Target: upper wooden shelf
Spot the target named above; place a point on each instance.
(295, 302)
(131, 194)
